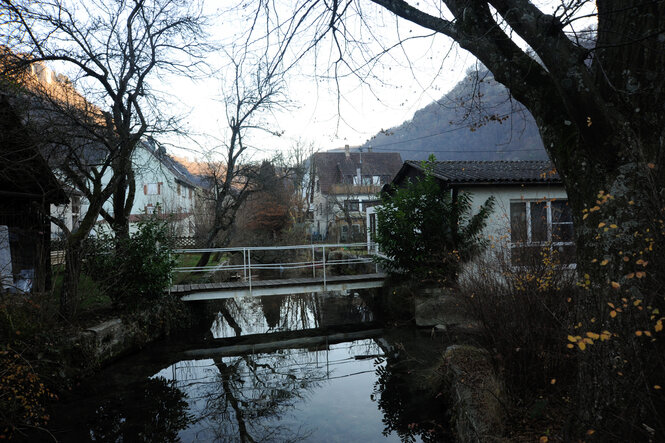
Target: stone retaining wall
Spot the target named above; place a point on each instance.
(103, 343)
(477, 395)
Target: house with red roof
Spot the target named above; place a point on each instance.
(344, 185)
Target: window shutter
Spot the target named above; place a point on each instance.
(159, 188)
(145, 189)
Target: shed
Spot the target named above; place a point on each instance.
(27, 189)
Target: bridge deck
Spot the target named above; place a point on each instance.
(207, 291)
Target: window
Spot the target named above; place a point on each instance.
(367, 180)
(541, 225)
(344, 235)
(351, 205)
(376, 180)
(190, 192)
(178, 189)
(149, 209)
(152, 189)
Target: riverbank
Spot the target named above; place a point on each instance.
(100, 344)
(463, 371)
(43, 356)
(475, 377)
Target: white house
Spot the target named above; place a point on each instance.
(163, 185)
(531, 209)
(164, 188)
(344, 185)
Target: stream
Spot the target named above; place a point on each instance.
(320, 367)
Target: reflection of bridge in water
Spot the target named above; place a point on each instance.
(258, 271)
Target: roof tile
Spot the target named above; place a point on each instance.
(493, 172)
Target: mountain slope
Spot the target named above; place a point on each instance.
(476, 120)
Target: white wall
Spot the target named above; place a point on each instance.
(326, 208)
(497, 230)
(148, 170)
(498, 225)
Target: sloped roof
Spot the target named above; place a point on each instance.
(23, 170)
(331, 167)
(487, 172)
(62, 120)
(177, 169)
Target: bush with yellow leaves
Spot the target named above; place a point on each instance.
(23, 395)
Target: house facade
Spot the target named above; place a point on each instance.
(531, 212)
(344, 185)
(164, 188)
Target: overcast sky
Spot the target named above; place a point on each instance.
(324, 109)
(405, 80)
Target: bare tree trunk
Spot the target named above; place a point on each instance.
(69, 295)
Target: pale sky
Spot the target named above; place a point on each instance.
(404, 80)
(314, 114)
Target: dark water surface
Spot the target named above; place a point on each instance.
(307, 367)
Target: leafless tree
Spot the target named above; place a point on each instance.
(115, 49)
(298, 161)
(255, 84)
(593, 76)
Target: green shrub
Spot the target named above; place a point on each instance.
(136, 270)
(426, 233)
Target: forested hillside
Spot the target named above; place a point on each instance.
(476, 120)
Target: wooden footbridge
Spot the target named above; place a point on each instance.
(324, 262)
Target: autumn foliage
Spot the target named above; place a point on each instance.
(23, 395)
(593, 343)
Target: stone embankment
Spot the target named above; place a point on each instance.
(103, 343)
(476, 392)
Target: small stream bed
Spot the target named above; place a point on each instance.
(306, 367)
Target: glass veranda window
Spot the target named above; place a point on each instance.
(539, 226)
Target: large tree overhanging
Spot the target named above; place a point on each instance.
(597, 97)
(597, 100)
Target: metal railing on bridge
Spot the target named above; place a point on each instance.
(322, 259)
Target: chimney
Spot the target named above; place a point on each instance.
(346, 151)
(359, 167)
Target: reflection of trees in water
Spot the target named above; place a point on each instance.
(157, 412)
(410, 408)
(249, 315)
(301, 311)
(256, 315)
(271, 308)
(250, 393)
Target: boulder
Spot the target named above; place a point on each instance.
(477, 394)
(440, 307)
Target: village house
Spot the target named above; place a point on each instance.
(344, 184)
(531, 212)
(164, 188)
